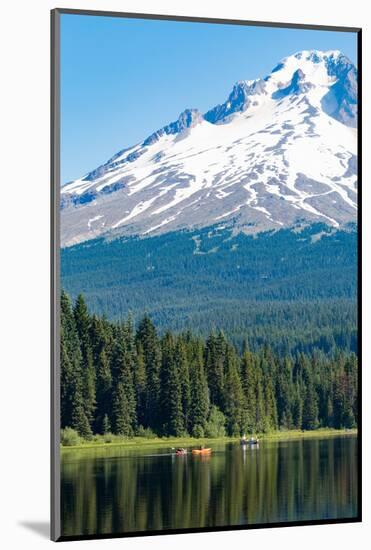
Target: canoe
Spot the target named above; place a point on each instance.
(250, 441)
(181, 452)
(201, 451)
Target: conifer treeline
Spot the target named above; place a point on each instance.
(118, 379)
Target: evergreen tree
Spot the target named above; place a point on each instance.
(310, 403)
(270, 408)
(297, 408)
(82, 321)
(101, 337)
(199, 404)
(114, 379)
(106, 425)
(181, 360)
(122, 411)
(66, 382)
(124, 406)
(248, 382)
(260, 424)
(147, 337)
(140, 384)
(80, 422)
(215, 359)
(104, 391)
(72, 406)
(233, 394)
(284, 394)
(171, 390)
(310, 409)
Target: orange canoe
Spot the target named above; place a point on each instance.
(201, 451)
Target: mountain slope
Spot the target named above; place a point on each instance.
(278, 151)
(248, 286)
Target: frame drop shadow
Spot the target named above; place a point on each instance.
(41, 528)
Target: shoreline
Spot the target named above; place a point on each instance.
(137, 443)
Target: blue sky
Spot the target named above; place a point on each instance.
(122, 79)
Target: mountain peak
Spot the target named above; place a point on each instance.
(333, 61)
(241, 97)
(315, 56)
(256, 165)
(296, 74)
(297, 85)
(187, 119)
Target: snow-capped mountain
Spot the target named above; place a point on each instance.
(279, 150)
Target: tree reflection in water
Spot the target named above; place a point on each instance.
(117, 491)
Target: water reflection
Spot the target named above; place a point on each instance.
(113, 490)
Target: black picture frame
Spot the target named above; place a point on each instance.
(55, 269)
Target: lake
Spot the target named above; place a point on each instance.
(115, 490)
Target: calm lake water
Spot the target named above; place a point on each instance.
(116, 491)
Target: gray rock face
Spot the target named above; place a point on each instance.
(341, 100)
(238, 101)
(297, 85)
(187, 119)
(278, 151)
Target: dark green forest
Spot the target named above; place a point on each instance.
(294, 290)
(130, 380)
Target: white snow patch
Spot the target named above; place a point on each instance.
(96, 218)
(138, 209)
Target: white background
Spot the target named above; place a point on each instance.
(24, 272)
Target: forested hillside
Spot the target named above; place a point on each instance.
(128, 380)
(294, 290)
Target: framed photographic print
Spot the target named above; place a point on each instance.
(206, 229)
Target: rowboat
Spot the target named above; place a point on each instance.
(201, 451)
(251, 441)
(180, 452)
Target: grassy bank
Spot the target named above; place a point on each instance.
(299, 434)
(166, 442)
